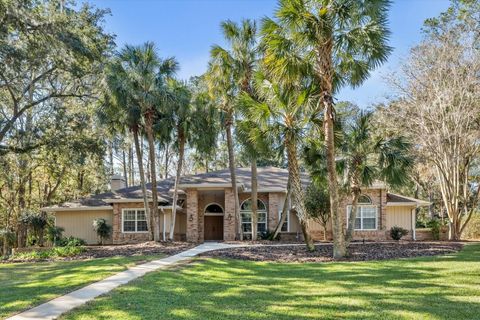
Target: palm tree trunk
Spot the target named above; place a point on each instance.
(298, 196)
(142, 182)
(285, 212)
(181, 151)
(124, 160)
(166, 160)
(352, 216)
(153, 175)
(254, 198)
(233, 176)
(339, 246)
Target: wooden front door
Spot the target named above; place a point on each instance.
(213, 228)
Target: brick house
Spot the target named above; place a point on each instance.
(206, 209)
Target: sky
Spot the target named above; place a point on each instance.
(186, 29)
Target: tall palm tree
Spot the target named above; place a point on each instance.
(284, 112)
(147, 75)
(230, 72)
(363, 157)
(120, 113)
(333, 43)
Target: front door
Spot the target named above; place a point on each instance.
(213, 228)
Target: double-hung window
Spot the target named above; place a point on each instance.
(246, 213)
(134, 220)
(367, 214)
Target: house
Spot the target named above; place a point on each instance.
(206, 209)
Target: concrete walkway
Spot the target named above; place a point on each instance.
(60, 305)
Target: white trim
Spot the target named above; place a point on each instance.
(401, 204)
(414, 225)
(266, 190)
(123, 200)
(258, 211)
(135, 209)
(213, 213)
(413, 200)
(361, 220)
(60, 209)
(288, 220)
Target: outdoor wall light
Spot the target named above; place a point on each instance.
(190, 218)
(229, 217)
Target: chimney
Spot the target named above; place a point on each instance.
(117, 182)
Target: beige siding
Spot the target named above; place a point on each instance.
(400, 217)
(79, 223)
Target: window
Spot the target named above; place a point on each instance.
(285, 226)
(366, 218)
(214, 209)
(246, 213)
(134, 220)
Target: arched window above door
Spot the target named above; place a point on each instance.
(214, 209)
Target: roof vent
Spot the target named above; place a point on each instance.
(117, 182)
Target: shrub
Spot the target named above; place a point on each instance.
(397, 233)
(7, 240)
(102, 228)
(434, 226)
(72, 242)
(54, 234)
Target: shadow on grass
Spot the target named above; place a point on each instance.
(425, 288)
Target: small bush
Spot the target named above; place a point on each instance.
(472, 230)
(54, 234)
(397, 233)
(102, 228)
(434, 226)
(71, 242)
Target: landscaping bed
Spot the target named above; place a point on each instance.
(92, 252)
(324, 252)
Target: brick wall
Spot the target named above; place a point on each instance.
(131, 237)
(192, 215)
(229, 216)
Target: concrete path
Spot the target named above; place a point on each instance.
(54, 308)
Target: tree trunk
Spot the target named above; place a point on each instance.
(298, 196)
(142, 182)
(181, 151)
(254, 198)
(233, 176)
(131, 166)
(339, 246)
(285, 211)
(153, 179)
(166, 161)
(124, 159)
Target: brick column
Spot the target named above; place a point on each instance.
(273, 207)
(229, 216)
(192, 215)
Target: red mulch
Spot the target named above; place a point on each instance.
(324, 252)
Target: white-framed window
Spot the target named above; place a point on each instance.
(286, 224)
(246, 213)
(367, 214)
(134, 220)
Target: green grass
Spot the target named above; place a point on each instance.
(446, 287)
(24, 285)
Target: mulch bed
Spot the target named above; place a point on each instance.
(146, 248)
(324, 252)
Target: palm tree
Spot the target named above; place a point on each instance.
(147, 76)
(363, 157)
(283, 112)
(332, 43)
(120, 113)
(230, 72)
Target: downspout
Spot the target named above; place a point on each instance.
(164, 222)
(414, 235)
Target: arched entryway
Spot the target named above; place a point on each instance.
(213, 225)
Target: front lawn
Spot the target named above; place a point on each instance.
(24, 285)
(441, 287)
